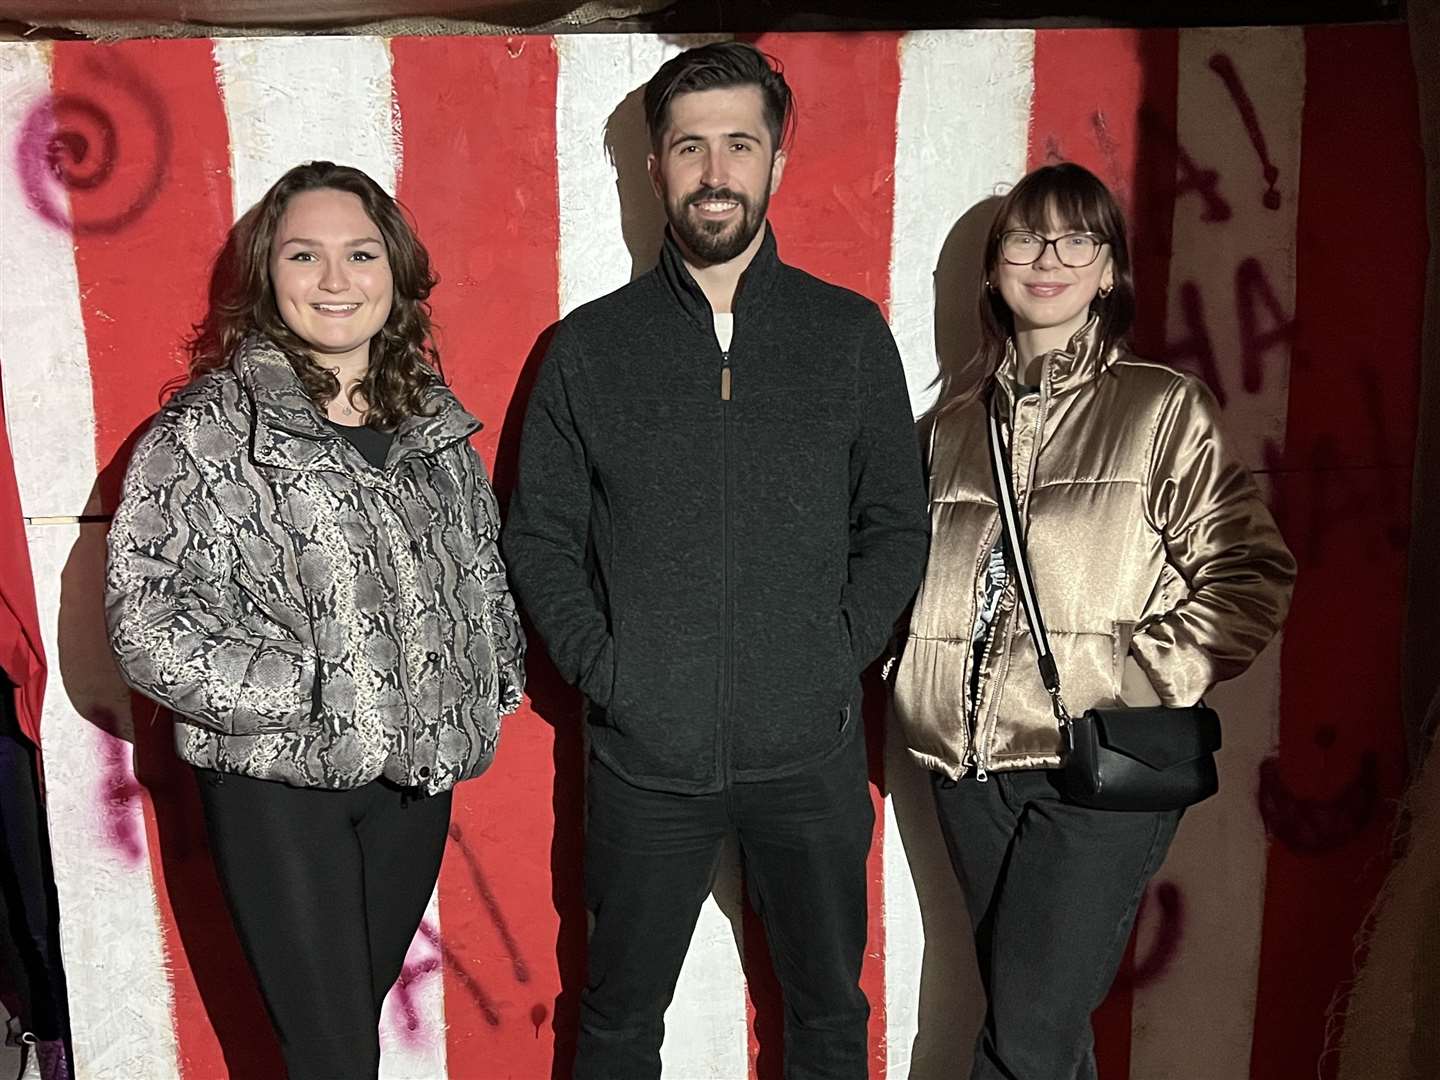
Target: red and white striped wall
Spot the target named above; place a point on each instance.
(1274, 182)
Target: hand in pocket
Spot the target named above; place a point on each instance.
(1135, 688)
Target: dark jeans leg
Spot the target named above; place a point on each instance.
(27, 882)
(804, 840)
(650, 858)
(326, 889)
(978, 851)
(1060, 907)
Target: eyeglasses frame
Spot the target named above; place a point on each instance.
(1051, 242)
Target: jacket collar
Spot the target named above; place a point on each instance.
(290, 430)
(750, 294)
(1061, 370)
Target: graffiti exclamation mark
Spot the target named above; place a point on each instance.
(1223, 66)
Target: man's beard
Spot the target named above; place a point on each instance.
(714, 242)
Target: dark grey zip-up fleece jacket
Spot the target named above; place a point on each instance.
(714, 545)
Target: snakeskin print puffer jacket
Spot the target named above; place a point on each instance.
(309, 618)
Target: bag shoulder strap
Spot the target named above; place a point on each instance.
(1015, 545)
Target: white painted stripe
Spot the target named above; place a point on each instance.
(961, 136)
(1271, 64)
(120, 997)
(603, 245)
(930, 970)
(43, 355)
(121, 1003)
(290, 100)
(412, 1043)
(706, 1026)
(610, 220)
(1218, 862)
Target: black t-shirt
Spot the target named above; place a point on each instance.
(372, 443)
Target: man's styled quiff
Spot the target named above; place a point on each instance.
(718, 67)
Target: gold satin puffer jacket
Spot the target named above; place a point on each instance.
(1146, 537)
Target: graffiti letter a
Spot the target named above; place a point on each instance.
(1252, 293)
(1196, 354)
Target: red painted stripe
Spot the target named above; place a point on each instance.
(149, 206)
(478, 120)
(1343, 498)
(1105, 99)
(833, 217)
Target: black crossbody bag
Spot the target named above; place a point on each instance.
(1121, 758)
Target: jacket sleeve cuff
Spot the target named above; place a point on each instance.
(598, 682)
(512, 688)
(1180, 675)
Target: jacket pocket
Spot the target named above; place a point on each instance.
(609, 714)
(846, 662)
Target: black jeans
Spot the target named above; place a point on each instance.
(1052, 890)
(327, 889)
(29, 910)
(650, 858)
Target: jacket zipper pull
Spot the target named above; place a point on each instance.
(971, 760)
(725, 378)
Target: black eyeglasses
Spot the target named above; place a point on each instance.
(1020, 247)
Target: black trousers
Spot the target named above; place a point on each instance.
(29, 910)
(327, 889)
(650, 858)
(1052, 890)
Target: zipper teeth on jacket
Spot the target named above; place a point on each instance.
(976, 755)
(981, 769)
(726, 665)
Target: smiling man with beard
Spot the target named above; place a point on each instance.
(720, 513)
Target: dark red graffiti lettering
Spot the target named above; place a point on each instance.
(1189, 176)
(1223, 66)
(1263, 324)
(463, 975)
(94, 163)
(1203, 182)
(1195, 353)
(1254, 299)
(487, 897)
(446, 957)
(1312, 826)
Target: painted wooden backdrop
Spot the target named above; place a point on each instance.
(1275, 184)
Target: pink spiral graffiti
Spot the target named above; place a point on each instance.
(69, 153)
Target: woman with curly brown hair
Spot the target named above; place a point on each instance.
(304, 569)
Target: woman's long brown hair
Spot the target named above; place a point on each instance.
(403, 357)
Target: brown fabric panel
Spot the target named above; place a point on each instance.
(1392, 1020)
(114, 20)
(1421, 691)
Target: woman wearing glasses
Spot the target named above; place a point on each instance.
(1158, 570)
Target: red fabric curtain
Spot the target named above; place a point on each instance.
(22, 656)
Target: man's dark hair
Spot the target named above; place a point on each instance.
(717, 67)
